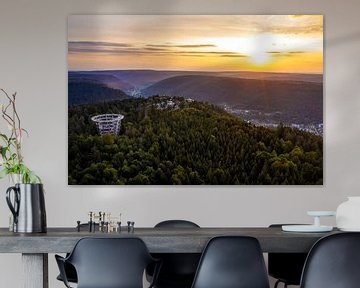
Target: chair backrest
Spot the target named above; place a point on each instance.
(232, 262)
(178, 269)
(176, 224)
(110, 262)
(333, 262)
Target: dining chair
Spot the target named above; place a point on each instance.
(333, 262)
(70, 271)
(178, 269)
(232, 262)
(285, 267)
(108, 263)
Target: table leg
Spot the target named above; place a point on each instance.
(35, 270)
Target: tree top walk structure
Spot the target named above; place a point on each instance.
(108, 123)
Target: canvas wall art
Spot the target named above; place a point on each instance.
(195, 100)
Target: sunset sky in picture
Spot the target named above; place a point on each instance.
(266, 43)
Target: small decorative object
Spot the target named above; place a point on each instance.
(104, 221)
(131, 226)
(27, 204)
(316, 227)
(348, 215)
(78, 225)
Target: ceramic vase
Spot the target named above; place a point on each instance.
(27, 204)
(348, 215)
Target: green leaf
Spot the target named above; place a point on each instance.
(4, 173)
(27, 175)
(4, 137)
(3, 151)
(13, 156)
(33, 177)
(26, 132)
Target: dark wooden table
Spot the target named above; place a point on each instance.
(35, 247)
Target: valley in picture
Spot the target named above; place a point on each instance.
(202, 99)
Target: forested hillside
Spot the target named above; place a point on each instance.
(173, 141)
(92, 92)
(293, 101)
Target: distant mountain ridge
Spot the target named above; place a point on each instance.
(128, 80)
(296, 100)
(265, 98)
(106, 79)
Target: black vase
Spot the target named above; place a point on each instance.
(28, 208)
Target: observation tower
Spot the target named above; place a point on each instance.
(108, 123)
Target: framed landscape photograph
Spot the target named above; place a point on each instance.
(195, 100)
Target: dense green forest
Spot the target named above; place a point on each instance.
(187, 142)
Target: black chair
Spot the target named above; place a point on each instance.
(108, 263)
(178, 269)
(232, 262)
(286, 267)
(333, 262)
(69, 269)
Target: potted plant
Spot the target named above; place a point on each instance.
(11, 159)
(26, 197)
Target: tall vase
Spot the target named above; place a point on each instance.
(27, 204)
(348, 214)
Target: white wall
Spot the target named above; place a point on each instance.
(33, 62)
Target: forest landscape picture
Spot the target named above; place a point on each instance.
(195, 100)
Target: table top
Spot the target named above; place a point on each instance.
(158, 240)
